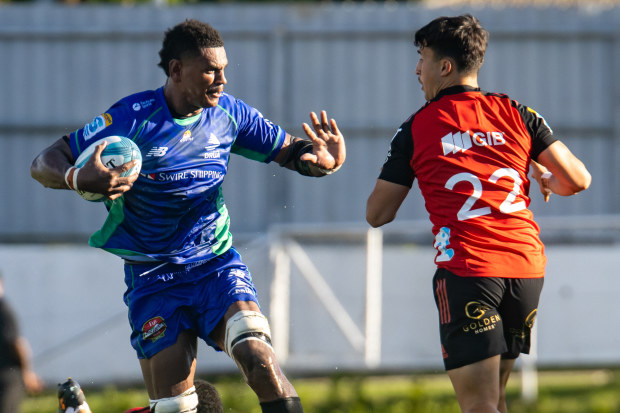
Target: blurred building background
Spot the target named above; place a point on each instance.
(64, 64)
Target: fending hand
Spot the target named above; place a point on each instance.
(328, 147)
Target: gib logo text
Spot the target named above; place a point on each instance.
(461, 141)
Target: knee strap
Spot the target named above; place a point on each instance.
(246, 325)
(186, 402)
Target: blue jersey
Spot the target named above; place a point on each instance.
(175, 211)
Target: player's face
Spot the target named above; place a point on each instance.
(428, 71)
(203, 79)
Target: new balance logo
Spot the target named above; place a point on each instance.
(462, 141)
(157, 151)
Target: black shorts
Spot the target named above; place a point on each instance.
(481, 317)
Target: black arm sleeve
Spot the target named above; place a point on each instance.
(295, 149)
(541, 133)
(397, 167)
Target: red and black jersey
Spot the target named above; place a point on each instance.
(470, 152)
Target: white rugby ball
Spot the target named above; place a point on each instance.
(120, 150)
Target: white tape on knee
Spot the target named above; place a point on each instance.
(246, 325)
(186, 402)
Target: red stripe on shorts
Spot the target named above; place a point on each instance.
(442, 301)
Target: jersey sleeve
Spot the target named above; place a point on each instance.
(257, 138)
(537, 126)
(397, 167)
(110, 123)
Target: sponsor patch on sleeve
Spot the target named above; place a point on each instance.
(97, 125)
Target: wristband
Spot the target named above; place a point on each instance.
(71, 178)
(328, 171)
(296, 149)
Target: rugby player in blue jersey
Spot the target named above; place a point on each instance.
(184, 279)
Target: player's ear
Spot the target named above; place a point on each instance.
(174, 68)
(446, 66)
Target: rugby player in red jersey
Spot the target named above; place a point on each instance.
(470, 152)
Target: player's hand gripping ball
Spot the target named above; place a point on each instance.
(119, 150)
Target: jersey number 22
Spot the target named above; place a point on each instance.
(508, 206)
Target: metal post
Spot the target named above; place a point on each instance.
(374, 259)
(529, 374)
(280, 301)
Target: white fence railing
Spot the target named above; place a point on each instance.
(382, 316)
(287, 251)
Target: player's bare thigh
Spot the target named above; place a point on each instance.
(477, 385)
(171, 371)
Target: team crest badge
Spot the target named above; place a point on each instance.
(154, 329)
(187, 136)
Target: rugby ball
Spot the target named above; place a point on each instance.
(120, 150)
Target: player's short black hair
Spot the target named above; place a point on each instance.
(187, 38)
(461, 38)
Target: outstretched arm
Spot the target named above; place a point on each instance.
(323, 154)
(560, 172)
(50, 168)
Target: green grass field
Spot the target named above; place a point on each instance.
(574, 391)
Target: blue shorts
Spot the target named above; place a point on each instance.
(166, 299)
